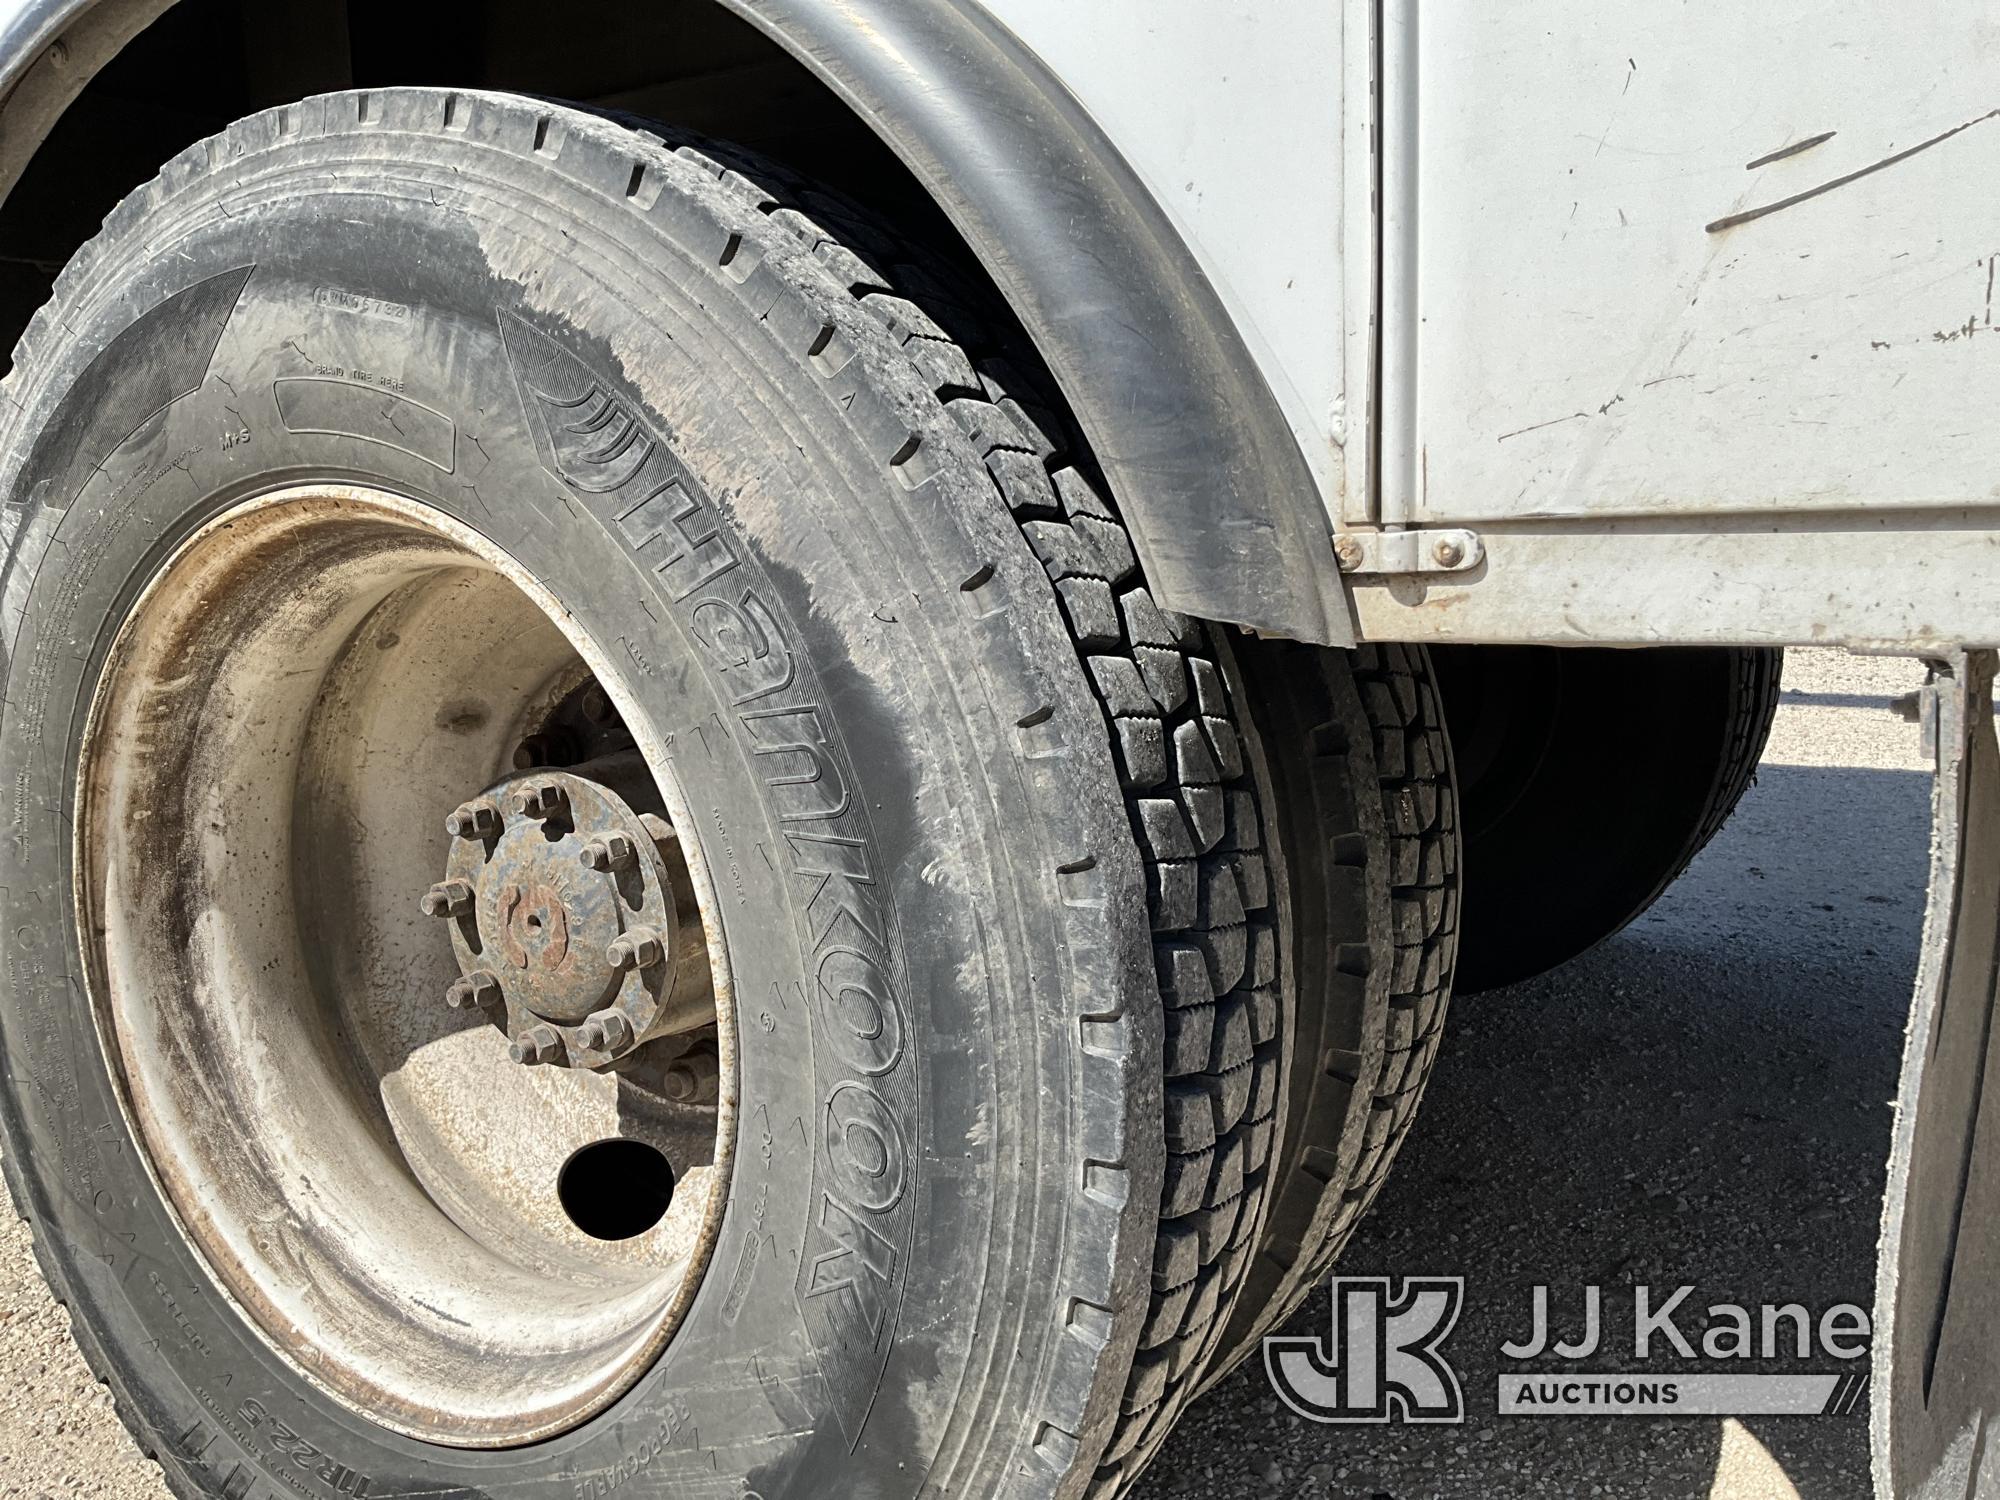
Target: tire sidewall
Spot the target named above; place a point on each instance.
(790, 640)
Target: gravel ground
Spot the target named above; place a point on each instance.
(1703, 1100)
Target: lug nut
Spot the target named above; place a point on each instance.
(473, 820)
(607, 1031)
(541, 799)
(640, 948)
(476, 991)
(692, 1079)
(448, 898)
(538, 1044)
(612, 852)
(550, 748)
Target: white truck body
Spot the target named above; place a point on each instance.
(1683, 312)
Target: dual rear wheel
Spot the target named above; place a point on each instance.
(615, 872)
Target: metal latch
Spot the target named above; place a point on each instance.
(1921, 706)
(1450, 551)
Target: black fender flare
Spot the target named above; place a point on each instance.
(1222, 506)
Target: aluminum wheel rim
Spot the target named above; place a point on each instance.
(293, 705)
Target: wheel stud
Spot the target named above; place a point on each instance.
(607, 1031)
(476, 991)
(448, 898)
(541, 799)
(612, 852)
(538, 1044)
(640, 948)
(474, 820)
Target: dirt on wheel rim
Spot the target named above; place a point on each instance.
(382, 1104)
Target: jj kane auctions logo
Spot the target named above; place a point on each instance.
(1383, 1358)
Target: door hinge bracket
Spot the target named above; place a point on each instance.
(1452, 550)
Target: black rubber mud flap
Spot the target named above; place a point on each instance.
(1937, 1296)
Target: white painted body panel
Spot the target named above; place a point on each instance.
(1230, 111)
(1587, 346)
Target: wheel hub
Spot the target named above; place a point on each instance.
(572, 916)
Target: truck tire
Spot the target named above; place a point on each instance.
(1588, 779)
(413, 484)
(1365, 814)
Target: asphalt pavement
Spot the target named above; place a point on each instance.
(1704, 1100)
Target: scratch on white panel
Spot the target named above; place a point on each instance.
(1730, 221)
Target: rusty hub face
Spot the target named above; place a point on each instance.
(572, 916)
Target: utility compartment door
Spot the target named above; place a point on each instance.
(1693, 258)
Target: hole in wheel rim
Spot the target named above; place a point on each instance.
(616, 1189)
